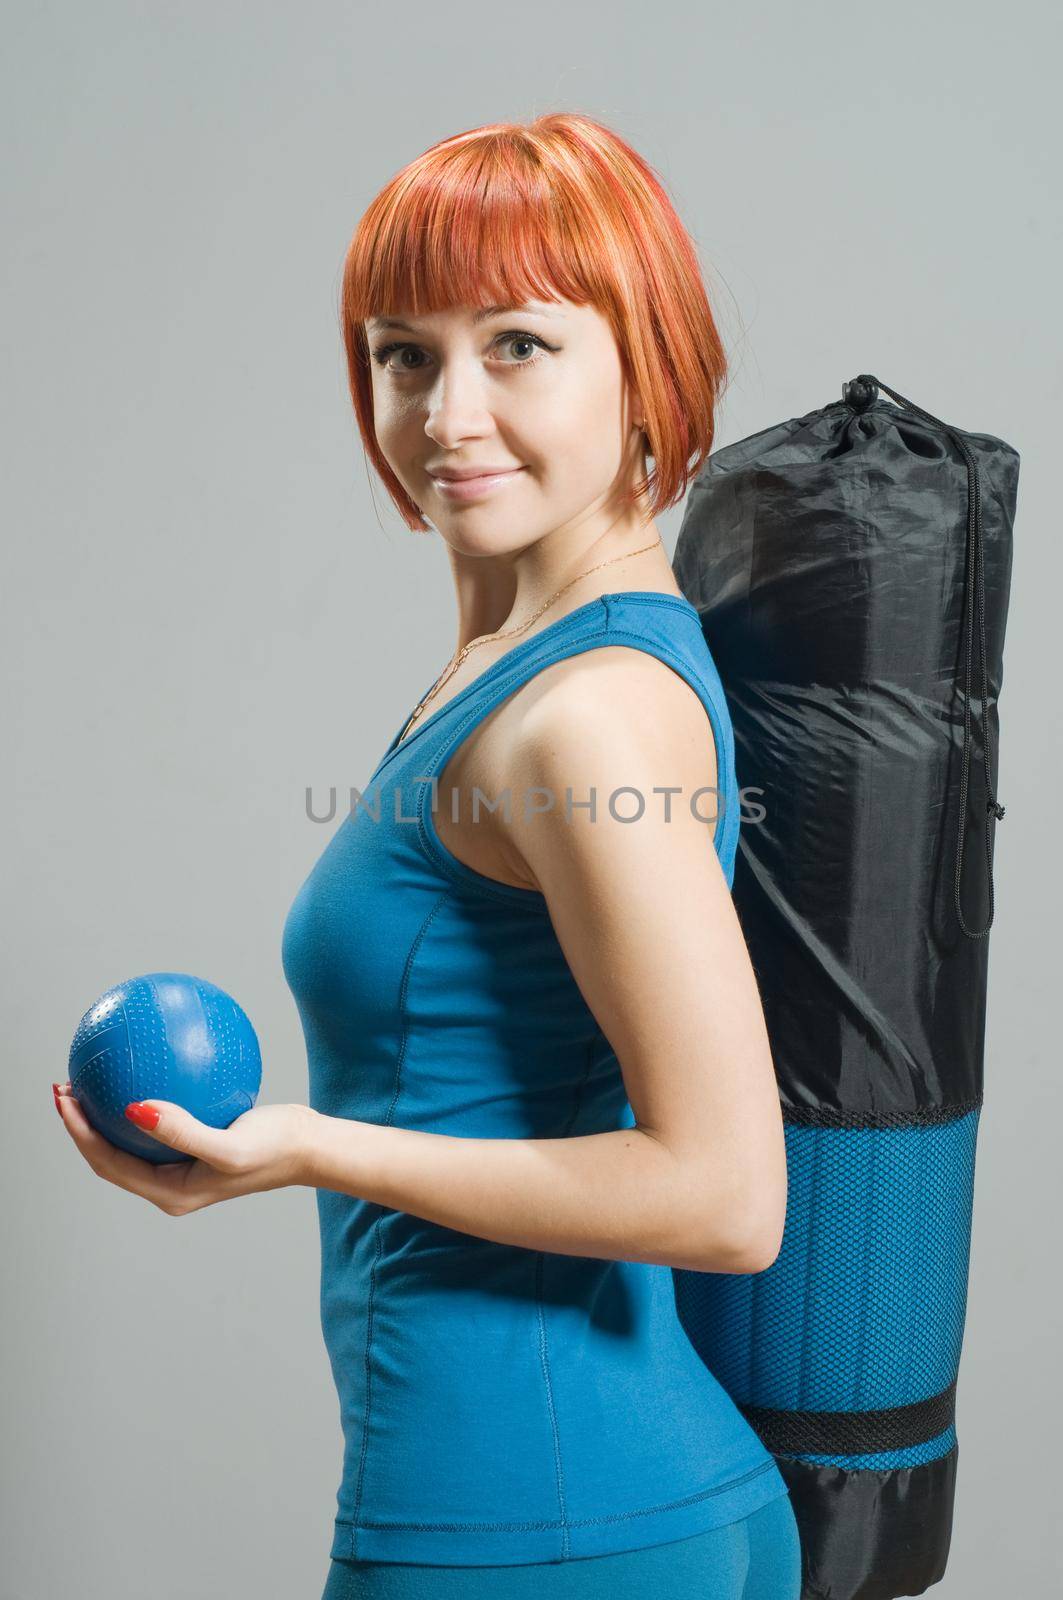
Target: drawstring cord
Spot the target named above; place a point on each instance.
(860, 394)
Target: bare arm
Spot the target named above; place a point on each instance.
(646, 922)
(618, 1195)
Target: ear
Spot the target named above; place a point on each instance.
(636, 410)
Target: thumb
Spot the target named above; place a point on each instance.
(172, 1125)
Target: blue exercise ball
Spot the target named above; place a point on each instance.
(164, 1036)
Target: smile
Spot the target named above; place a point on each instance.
(473, 488)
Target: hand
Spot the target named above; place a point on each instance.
(264, 1148)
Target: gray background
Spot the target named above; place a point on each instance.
(208, 605)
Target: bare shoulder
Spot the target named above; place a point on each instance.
(626, 687)
(617, 727)
(607, 719)
(615, 704)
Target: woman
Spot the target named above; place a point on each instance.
(539, 1072)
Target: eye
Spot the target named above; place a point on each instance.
(517, 337)
(514, 336)
(386, 351)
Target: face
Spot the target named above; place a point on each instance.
(534, 397)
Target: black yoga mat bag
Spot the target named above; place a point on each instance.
(852, 571)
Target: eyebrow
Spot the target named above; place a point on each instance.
(478, 316)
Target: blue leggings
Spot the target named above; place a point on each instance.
(756, 1558)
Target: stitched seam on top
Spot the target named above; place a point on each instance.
(544, 1354)
(544, 1361)
(415, 945)
(673, 600)
(581, 1522)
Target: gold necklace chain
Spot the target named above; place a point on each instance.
(508, 633)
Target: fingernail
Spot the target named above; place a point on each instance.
(55, 1096)
(143, 1116)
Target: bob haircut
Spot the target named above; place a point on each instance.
(560, 208)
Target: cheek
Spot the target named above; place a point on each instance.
(388, 409)
(585, 414)
(548, 431)
(399, 431)
(585, 442)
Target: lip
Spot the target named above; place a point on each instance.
(471, 487)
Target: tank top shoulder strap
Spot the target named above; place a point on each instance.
(665, 626)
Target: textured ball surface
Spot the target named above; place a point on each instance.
(163, 1036)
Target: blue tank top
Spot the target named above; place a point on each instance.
(499, 1405)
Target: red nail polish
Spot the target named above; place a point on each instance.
(143, 1116)
(55, 1097)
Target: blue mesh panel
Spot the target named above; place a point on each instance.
(864, 1307)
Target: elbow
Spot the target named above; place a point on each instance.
(758, 1222)
(744, 1256)
(760, 1241)
(726, 1230)
(765, 1227)
(748, 1250)
(760, 1254)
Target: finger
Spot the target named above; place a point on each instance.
(162, 1185)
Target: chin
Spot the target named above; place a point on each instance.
(462, 535)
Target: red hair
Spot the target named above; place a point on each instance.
(559, 208)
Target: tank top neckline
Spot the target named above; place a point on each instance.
(517, 653)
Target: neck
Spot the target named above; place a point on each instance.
(495, 594)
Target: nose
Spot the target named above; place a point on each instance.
(456, 406)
